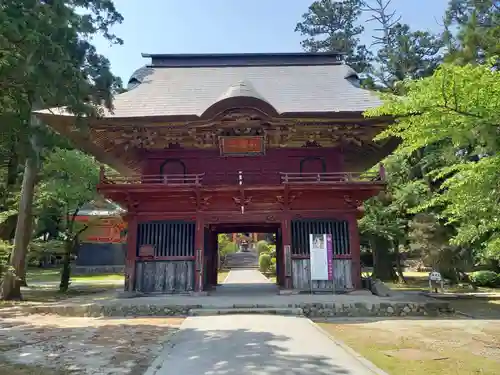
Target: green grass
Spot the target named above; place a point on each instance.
(221, 276)
(16, 369)
(52, 294)
(54, 274)
(372, 343)
(418, 281)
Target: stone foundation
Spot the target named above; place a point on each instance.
(310, 310)
(91, 270)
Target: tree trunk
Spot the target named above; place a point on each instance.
(66, 270)
(11, 287)
(399, 267)
(382, 260)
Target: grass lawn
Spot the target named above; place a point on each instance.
(221, 276)
(424, 347)
(52, 294)
(419, 281)
(54, 274)
(15, 369)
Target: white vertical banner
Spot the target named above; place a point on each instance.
(318, 257)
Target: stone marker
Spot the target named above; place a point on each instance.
(380, 289)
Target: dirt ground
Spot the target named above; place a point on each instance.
(422, 346)
(87, 346)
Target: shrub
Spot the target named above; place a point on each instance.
(5, 249)
(262, 247)
(272, 267)
(264, 262)
(228, 248)
(485, 278)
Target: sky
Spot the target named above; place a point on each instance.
(228, 26)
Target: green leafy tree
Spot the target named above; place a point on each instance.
(458, 108)
(69, 181)
(47, 60)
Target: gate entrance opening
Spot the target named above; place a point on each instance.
(212, 252)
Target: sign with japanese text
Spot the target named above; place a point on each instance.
(241, 146)
(321, 247)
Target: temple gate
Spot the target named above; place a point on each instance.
(207, 144)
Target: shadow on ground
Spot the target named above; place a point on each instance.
(195, 352)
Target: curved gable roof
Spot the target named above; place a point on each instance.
(190, 91)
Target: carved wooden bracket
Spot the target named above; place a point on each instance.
(353, 203)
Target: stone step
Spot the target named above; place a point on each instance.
(242, 260)
(290, 311)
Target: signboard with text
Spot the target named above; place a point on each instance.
(321, 247)
(241, 146)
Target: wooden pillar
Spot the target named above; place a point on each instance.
(199, 255)
(286, 235)
(215, 258)
(130, 260)
(355, 248)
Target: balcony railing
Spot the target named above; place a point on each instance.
(245, 179)
(330, 178)
(168, 179)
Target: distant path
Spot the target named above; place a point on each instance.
(245, 282)
(255, 345)
(246, 276)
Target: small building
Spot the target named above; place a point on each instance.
(103, 243)
(232, 143)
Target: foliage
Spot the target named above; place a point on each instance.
(485, 278)
(459, 109)
(402, 53)
(331, 26)
(69, 181)
(264, 262)
(229, 248)
(263, 247)
(47, 60)
(5, 249)
(478, 30)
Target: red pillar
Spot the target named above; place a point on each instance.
(355, 251)
(286, 237)
(199, 258)
(131, 256)
(215, 257)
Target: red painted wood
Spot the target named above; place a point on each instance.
(131, 252)
(199, 244)
(275, 160)
(355, 251)
(286, 233)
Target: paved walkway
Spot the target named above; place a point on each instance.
(255, 345)
(246, 282)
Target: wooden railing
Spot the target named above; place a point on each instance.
(168, 179)
(246, 178)
(330, 178)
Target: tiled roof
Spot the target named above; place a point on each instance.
(179, 91)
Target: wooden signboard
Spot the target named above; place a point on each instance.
(242, 146)
(147, 251)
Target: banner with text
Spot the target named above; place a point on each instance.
(321, 247)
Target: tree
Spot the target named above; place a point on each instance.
(478, 30)
(458, 108)
(47, 60)
(402, 53)
(70, 180)
(332, 26)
